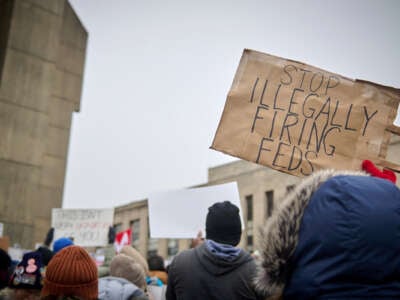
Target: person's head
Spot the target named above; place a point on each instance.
(28, 274)
(126, 267)
(156, 263)
(223, 223)
(61, 243)
(337, 228)
(47, 254)
(137, 257)
(5, 264)
(71, 272)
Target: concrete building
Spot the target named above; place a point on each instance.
(259, 187)
(42, 55)
(260, 190)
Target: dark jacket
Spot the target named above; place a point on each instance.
(199, 274)
(336, 236)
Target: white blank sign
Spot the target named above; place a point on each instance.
(182, 213)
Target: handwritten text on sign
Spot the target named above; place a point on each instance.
(297, 118)
(88, 227)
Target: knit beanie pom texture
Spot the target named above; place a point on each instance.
(71, 272)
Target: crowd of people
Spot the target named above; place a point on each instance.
(335, 236)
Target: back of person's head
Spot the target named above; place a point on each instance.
(156, 263)
(5, 264)
(71, 272)
(61, 243)
(126, 267)
(137, 257)
(338, 234)
(47, 254)
(28, 273)
(223, 224)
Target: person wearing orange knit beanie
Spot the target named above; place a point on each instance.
(71, 273)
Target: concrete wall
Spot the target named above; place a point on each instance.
(40, 87)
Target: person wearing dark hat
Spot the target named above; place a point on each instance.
(5, 265)
(26, 280)
(335, 236)
(215, 269)
(47, 254)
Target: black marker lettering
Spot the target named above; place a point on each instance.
(335, 83)
(304, 75)
(277, 154)
(252, 92)
(302, 131)
(310, 109)
(286, 69)
(326, 104)
(262, 94)
(261, 148)
(292, 99)
(287, 124)
(309, 162)
(290, 168)
(332, 148)
(367, 119)
(333, 116)
(273, 124)
(320, 83)
(257, 117)
(348, 118)
(276, 96)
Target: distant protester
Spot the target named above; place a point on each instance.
(26, 280)
(72, 272)
(217, 268)
(5, 265)
(61, 243)
(335, 236)
(29, 272)
(127, 280)
(157, 268)
(132, 252)
(46, 253)
(158, 277)
(109, 253)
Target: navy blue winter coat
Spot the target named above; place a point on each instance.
(337, 236)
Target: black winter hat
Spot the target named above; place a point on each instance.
(47, 254)
(223, 223)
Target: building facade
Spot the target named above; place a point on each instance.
(260, 191)
(42, 55)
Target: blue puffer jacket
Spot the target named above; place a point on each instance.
(336, 236)
(116, 288)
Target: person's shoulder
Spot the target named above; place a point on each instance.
(181, 258)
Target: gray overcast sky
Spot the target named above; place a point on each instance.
(157, 74)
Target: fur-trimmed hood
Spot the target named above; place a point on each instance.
(279, 238)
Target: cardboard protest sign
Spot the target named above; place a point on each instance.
(88, 227)
(297, 118)
(182, 213)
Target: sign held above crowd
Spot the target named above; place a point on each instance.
(180, 214)
(87, 227)
(297, 118)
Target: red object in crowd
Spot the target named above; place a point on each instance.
(122, 238)
(369, 167)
